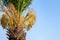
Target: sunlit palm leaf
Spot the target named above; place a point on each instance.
(13, 18)
(30, 19)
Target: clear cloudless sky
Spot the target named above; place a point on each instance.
(47, 26)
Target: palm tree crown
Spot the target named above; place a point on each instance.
(13, 20)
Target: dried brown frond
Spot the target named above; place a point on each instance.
(4, 21)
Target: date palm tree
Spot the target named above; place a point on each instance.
(13, 21)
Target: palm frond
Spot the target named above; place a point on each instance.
(30, 20)
(20, 5)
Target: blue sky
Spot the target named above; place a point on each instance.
(47, 26)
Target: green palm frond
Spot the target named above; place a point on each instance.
(20, 5)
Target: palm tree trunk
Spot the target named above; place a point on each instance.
(16, 34)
